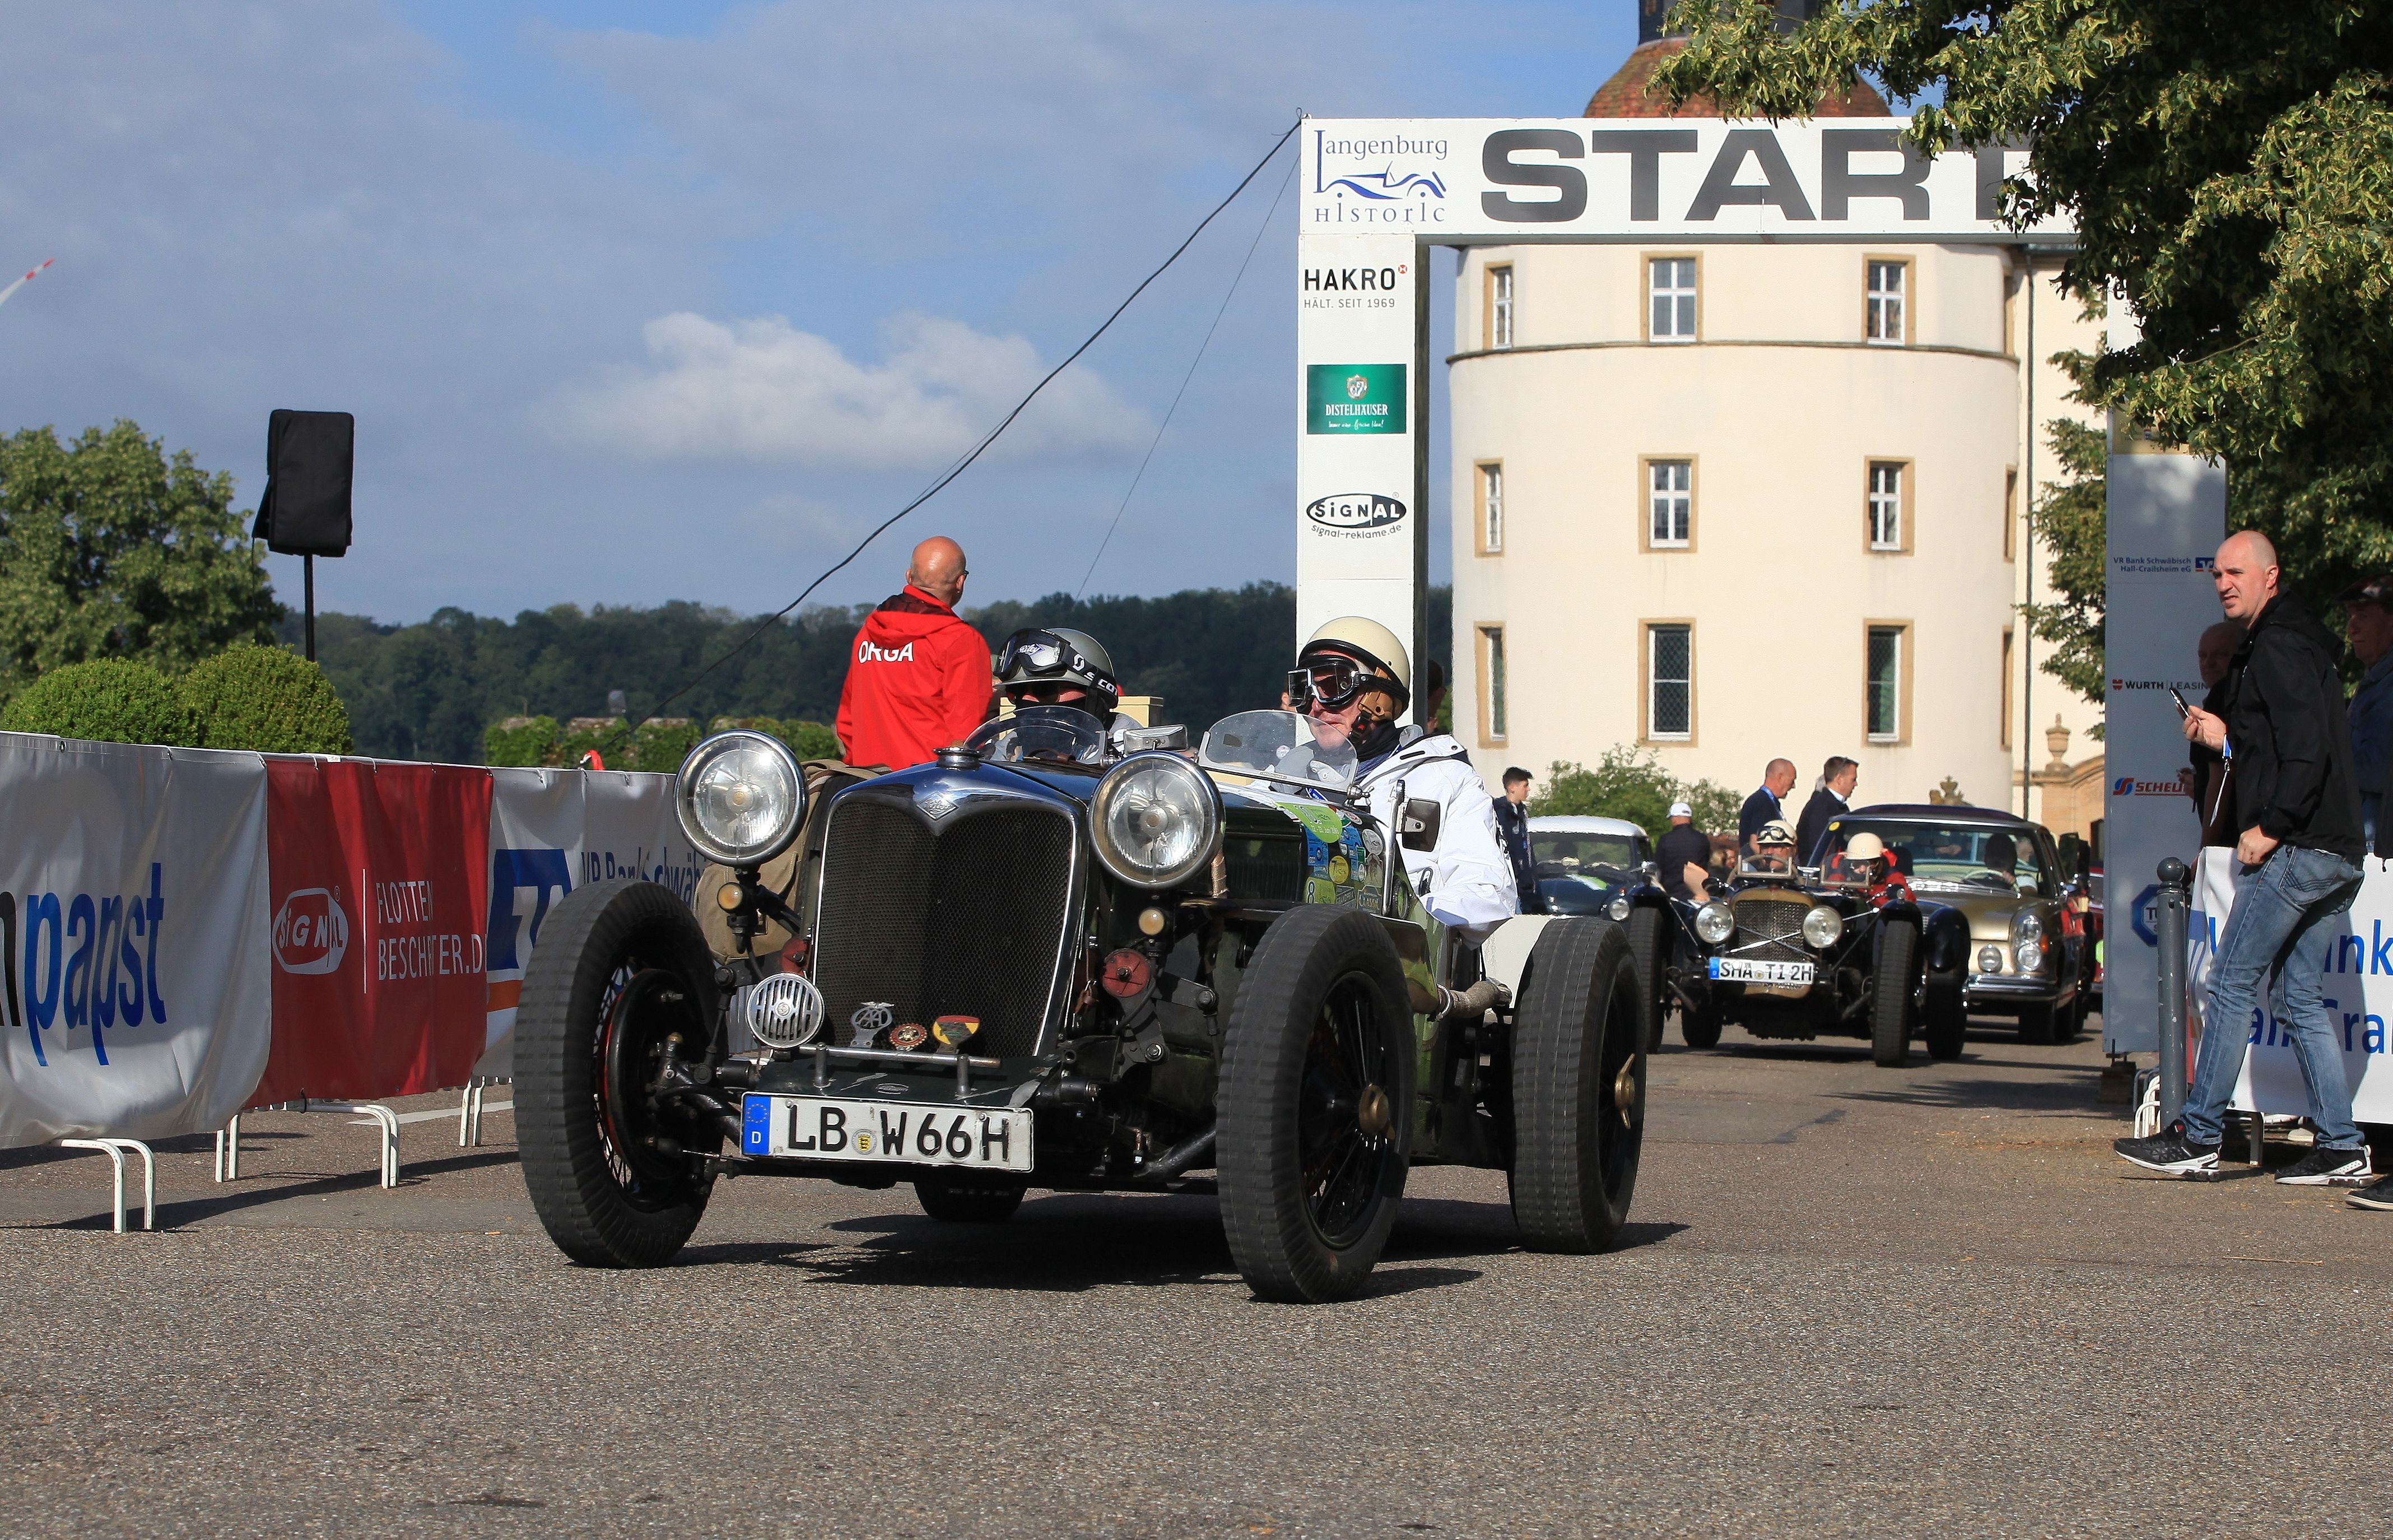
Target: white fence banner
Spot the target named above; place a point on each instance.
(552, 831)
(137, 991)
(2358, 994)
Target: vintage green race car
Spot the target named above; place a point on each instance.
(1064, 958)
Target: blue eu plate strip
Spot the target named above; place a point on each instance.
(756, 1125)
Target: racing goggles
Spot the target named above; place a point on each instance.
(1042, 655)
(1335, 680)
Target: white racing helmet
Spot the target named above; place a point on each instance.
(1038, 655)
(1359, 640)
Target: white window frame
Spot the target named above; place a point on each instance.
(1491, 507)
(1885, 505)
(1897, 635)
(1886, 307)
(1682, 301)
(1499, 305)
(1679, 500)
(1493, 701)
(1654, 679)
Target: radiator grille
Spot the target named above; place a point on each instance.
(1265, 871)
(1763, 916)
(964, 916)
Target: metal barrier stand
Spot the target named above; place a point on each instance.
(2175, 903)
(229, 1137)
(115, 1150)
(469, 1110)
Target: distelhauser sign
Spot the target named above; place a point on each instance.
(1355, 397)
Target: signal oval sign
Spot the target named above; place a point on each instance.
(1354, 511)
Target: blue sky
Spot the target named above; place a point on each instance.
(641, 302)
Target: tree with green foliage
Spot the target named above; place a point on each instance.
(2069, 521)
(111, 548)
(2229, 167)
(520, 741)
(1632, 784)
(105, 700)
(268, 699)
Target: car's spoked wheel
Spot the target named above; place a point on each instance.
(619, 984)
(1578, 1089)
(1315, 1105)
(1898, 947)
(1345, 1120)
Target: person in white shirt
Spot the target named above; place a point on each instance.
(1354, 677)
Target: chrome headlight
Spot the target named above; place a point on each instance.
(1822, 926)
(741, 796)
(1618, 909)
(1715, 922)
(1990, 959)
(1155, 821)
(2026, 925)
(2029, 955)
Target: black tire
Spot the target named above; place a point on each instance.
(2038, 1025)
(974, 1199)
(1579, 1088)
(1700, 1025)
(1898, 948)
(2069, 1019)
(1946, 1025)
(1315, 1105)
(1646, 944)
(621, 969)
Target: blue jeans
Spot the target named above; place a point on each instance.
(2280, 926)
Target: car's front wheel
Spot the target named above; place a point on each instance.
(1315, 1105)
(1579, 1088)
(1898, 948)
(621, 984)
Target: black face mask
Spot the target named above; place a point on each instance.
(1373, 736)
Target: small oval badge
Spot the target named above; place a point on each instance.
(1354, 511)
(908, 1036)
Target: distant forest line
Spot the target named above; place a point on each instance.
(427, 691)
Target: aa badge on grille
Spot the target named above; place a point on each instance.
(871, 1020)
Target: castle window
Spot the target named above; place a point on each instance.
(1671, 310)
(1491, 508)
(1886, 314)
(1670, 504)
(1884, 683)
(1671, 681)
(1886, 503)
(1491, 684)
(1499, 307)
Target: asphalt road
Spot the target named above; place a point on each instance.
(1854, 1301)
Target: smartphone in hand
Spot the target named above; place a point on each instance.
(2183, 710)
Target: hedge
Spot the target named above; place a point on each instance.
(265, 698)
(112, 700)
(528, 741)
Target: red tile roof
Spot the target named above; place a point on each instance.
(1626, 94)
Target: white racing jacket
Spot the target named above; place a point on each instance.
(1466, 883)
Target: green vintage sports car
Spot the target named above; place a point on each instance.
(1065, 958)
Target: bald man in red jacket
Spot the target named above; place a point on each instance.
(918, 679)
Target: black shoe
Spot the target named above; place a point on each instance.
(2323, 1167)
(2170, 1151)
(2376, 1194)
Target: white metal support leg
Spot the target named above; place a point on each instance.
(228, 1150)
(469, 1110)
(116, 1150)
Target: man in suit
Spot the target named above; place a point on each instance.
(1835, 794)
(1766, 804)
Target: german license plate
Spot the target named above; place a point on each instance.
(995, 1138)
(1737, 969)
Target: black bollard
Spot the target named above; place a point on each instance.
(2175, 901)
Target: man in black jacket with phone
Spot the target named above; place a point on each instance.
(2283, 736)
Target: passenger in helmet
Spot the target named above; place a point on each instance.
(1353, 679)
(1867, 864)
(1041, 666)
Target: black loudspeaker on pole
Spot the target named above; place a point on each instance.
(311, 461)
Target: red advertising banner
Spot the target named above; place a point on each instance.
(380, 878)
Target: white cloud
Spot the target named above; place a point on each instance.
(762, 390)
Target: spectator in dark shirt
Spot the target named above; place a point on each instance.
(1512, 823)
(2297, 807)
(2368, 622)
(1766, 804)
(2205, 779)
(1837, 778)
(1683, 855)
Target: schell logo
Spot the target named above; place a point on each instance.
(2128, 786)
(1354, 511)
(311, 931)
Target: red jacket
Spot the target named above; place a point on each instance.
(917, 682)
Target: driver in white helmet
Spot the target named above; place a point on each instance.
(1355, 675)
(1044, 666)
